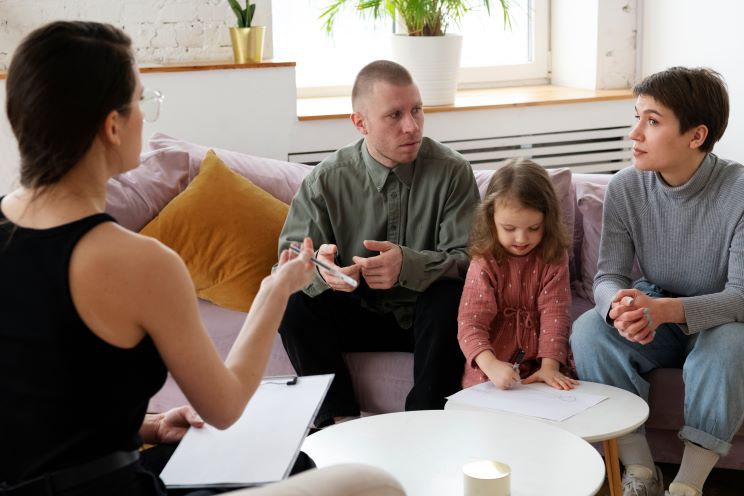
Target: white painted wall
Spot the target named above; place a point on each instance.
(693, 33)
(593, 43)
(247, 110)
(573, 42)
(162, 31)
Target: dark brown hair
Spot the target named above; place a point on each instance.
(528, 184)
(63, 80)
(696, 96)
(379, 70)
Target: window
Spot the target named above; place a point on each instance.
(491, 56)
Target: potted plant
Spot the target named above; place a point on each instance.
(426, 49)
(247, 40)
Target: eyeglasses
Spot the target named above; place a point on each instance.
(149, 104)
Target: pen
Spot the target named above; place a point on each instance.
(518, 360)
(348, 280)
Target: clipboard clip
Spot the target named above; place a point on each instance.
(285, 380)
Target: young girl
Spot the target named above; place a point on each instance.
(516, 301)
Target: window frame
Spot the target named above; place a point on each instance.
(531, 73)
(535, 72)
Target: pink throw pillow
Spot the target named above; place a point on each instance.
(135, 197)
(590, 202)
(278, 178)
(590, 199)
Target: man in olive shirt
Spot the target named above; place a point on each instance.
(392, 211)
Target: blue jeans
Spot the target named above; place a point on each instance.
(711, 363)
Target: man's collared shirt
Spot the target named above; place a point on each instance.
(425, 207)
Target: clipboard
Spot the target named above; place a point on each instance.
(261, 447)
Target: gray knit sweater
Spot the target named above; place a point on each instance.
(689, 240)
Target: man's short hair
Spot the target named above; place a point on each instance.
(696, 96)
(379, 70)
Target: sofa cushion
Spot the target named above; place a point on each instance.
(278, 178)
(226, 229)
(589, 199)
(135, 197)
(590, 203)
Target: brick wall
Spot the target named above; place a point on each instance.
(162, 31)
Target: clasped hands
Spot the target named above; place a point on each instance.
(380, 271)
(635, 315)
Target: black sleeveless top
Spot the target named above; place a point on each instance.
(66, 396)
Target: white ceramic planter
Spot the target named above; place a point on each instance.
(433, 61)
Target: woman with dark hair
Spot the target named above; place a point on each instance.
(93, 315)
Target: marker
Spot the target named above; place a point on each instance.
(518, 360)
(348, 280)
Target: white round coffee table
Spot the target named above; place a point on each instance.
(622, 412)
(426, 450)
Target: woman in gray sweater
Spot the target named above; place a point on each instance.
(680, 212)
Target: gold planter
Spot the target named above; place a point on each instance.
(247, 44)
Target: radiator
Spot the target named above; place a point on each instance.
(582, 150)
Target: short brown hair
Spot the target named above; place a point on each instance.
(696, 96)
(527, 183)
(379, 70)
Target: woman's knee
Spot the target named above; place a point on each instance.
(723, 345)
(587, 334)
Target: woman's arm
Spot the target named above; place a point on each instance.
(125, 286)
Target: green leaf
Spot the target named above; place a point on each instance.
(250, 9)
(238, 12)
(421, 17)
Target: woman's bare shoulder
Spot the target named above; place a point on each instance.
(120, 280)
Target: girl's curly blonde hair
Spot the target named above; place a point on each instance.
(522, 181)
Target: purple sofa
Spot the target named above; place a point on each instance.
(382, 380)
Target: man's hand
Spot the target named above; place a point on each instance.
(327, 253)
(381, 271)
(171, 426)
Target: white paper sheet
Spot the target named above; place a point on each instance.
(534, 400)
(260, 447)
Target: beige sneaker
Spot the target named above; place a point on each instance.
(682, 489)
(638, 482)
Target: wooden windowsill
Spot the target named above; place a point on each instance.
(309, 109)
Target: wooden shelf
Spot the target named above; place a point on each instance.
(212, 66)
(204, 66)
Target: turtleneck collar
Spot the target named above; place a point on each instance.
(693, 185)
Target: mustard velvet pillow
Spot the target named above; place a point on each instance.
(226, 229)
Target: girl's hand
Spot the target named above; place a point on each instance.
(502, 374)
(552, 377)
(296, 271)
(637, 320)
